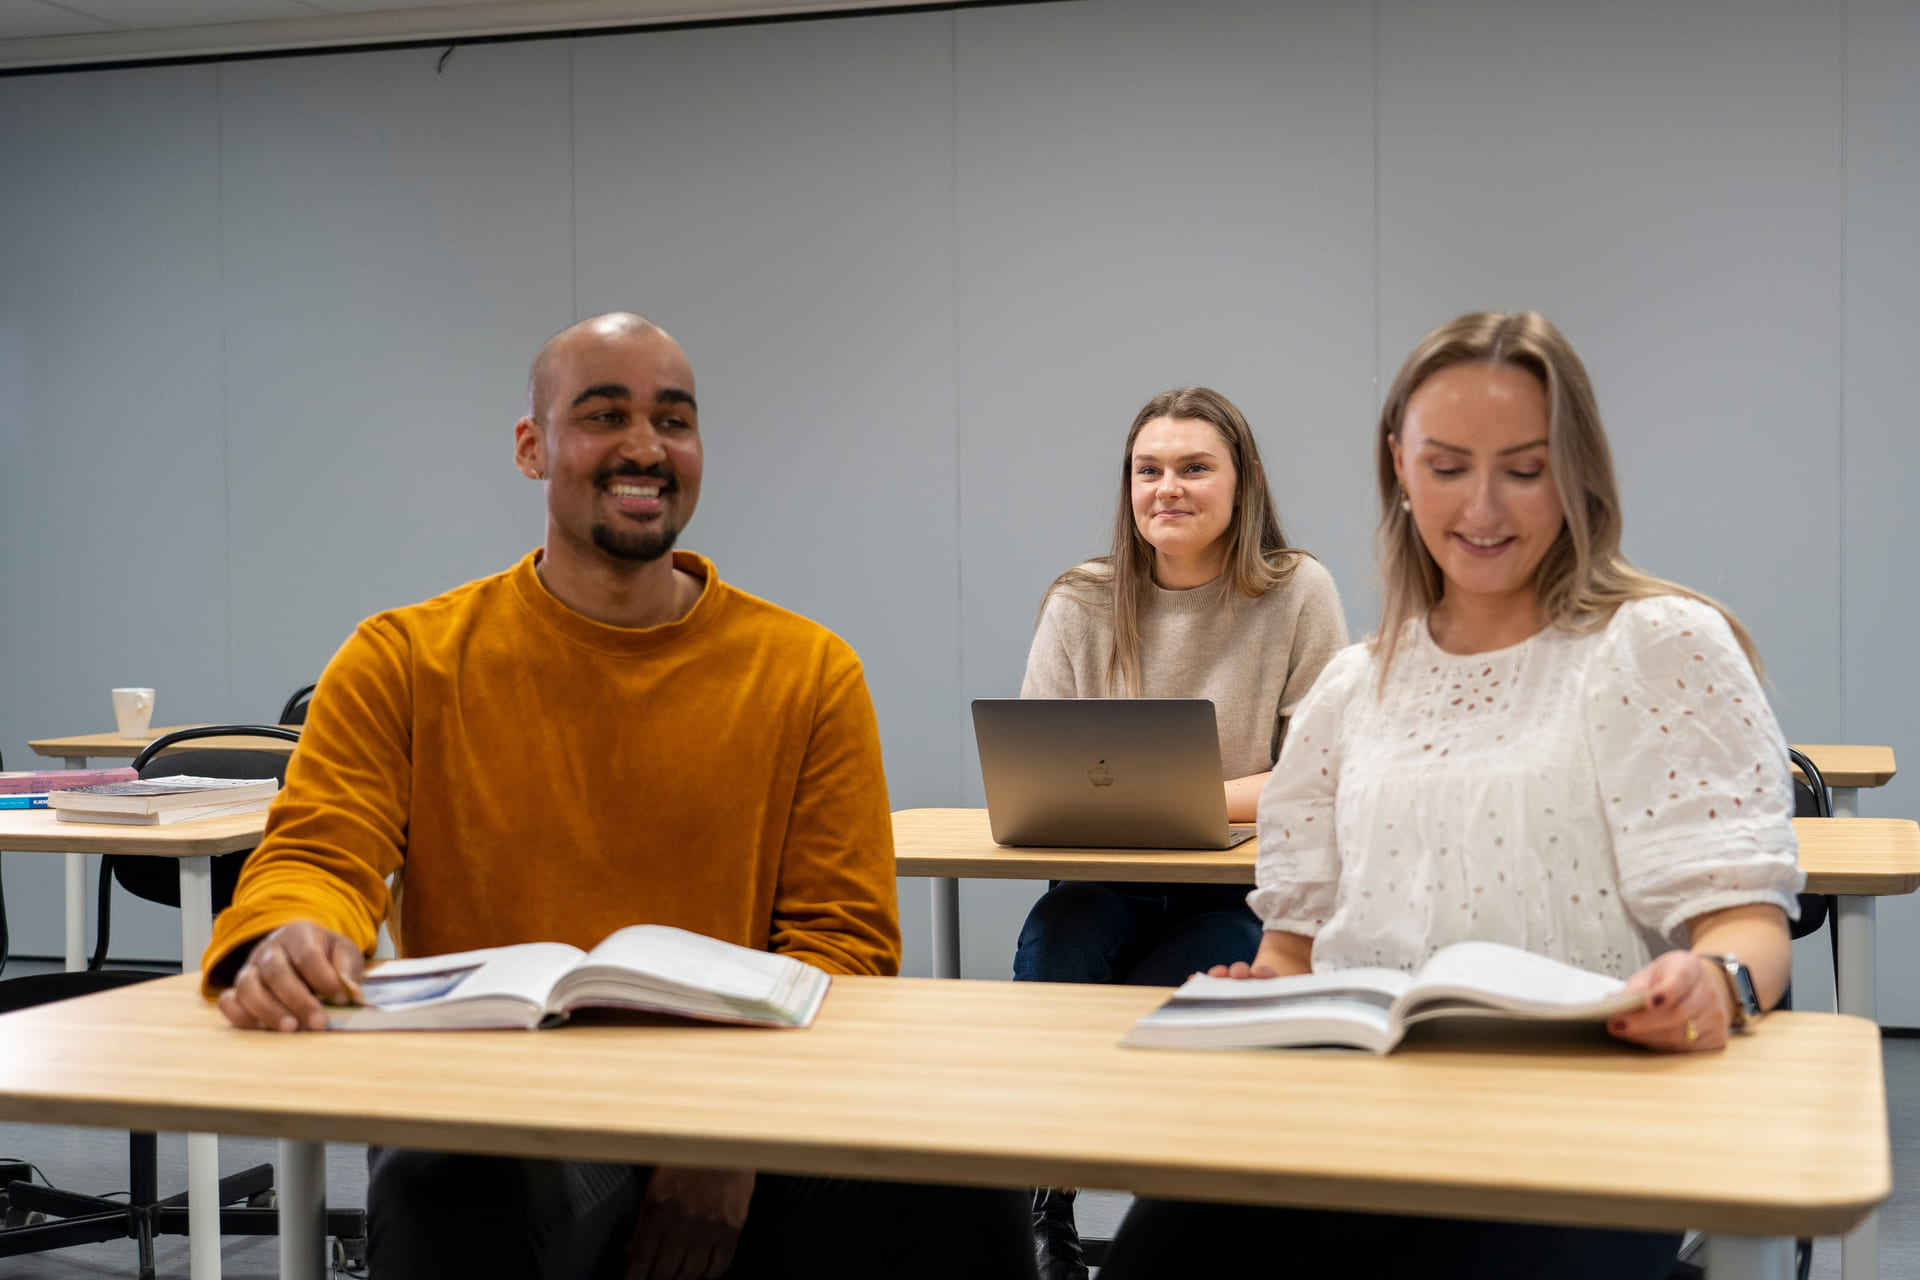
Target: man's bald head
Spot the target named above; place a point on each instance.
(611, 325)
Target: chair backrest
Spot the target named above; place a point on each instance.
(1810, 800)
(158, 879)
(295, 712)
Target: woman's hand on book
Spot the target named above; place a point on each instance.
(1688, 1006)
(1280, 955)
(689, 1223)
(287, 975)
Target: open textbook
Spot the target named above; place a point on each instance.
(649, 967)
(1372, 1008)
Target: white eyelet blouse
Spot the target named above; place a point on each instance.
(1578, 795)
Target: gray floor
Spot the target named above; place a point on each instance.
(95, 1160)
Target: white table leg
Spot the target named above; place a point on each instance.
(946, 927)
(1860, 1250)
(76, 912)
(76, 894)
(1749, 1258)
(1846, 802)
(301, 1183)
(203, 1149)
(1856, 983)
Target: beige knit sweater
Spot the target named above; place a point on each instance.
(1255, 658)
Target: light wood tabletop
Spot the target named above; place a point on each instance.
(113, 746)
(1851, 766)
(1877, 856)
(39, 831)
(1023, 1084)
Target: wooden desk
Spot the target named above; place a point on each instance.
(1847, 769)
(1856, 860)
(1020, 1084)
(79, 748)
(194, 844)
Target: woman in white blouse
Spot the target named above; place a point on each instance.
(1542, 746)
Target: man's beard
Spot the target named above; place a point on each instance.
(647, 543)
(636, 544)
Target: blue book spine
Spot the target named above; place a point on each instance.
(32, 800)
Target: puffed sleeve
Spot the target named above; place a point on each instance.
(1692, 768)
(1297, 876)
(1060, 649)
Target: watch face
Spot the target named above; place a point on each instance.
(1743, 983)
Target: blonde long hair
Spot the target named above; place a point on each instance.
(1258, 558)
(1583, 578)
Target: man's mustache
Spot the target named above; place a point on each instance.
(634, 470)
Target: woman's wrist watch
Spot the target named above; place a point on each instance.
(1746, 1001)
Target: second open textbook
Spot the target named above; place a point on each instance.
(1372, 1008)
(650, 967)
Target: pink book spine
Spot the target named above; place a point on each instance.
(17, 784)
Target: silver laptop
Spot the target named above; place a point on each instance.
(1103, 773)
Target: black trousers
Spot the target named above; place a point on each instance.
(433, 1214)
(1179, 1239)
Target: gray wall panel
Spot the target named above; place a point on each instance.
(1150, 195)
(113, 489)
(397, 245)
(1662, 181)
(780, 198)
(1882, 437)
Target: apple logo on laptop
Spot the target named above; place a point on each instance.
(1100, 775)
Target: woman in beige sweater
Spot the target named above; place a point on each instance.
(1200, 598)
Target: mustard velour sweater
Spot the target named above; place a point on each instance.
(533, 775)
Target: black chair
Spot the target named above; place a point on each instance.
(158, 879)
(295, 712)
(39, 1218)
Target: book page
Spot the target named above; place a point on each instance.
(1509, 980)
(1350, 1007)
(524, 973)
(685, 959)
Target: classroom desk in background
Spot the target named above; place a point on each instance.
(1854, 859)
(193, 844)
(1023, 1084)
(77, 749)
(1847, 769)
(74, 751)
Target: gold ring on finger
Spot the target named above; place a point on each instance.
(1693, 1032)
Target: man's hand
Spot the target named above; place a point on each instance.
(289, 973)
(690, 1221)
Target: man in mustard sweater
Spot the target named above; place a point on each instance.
(605, 734)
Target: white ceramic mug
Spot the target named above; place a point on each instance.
(133, 711)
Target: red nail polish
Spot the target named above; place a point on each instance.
(1619, 1026)
(1658, 1001)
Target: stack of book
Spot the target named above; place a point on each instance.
(176, 799)
(30, 789)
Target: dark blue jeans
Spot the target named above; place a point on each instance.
(1149, 935)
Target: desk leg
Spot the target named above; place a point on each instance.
(1855, 983)
(302, 1189)
(76, 912)
(946, 927)
(76, 895)
(1860, 1250)
(203, 1149)
(1749, 1258)
(1846, 802)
